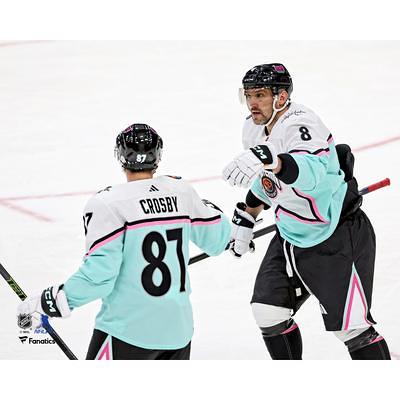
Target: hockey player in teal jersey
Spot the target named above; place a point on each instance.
(324, 244)
(137, 252)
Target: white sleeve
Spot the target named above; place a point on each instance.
(100, 223)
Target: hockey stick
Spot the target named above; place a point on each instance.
(45, 323)
(271, 228)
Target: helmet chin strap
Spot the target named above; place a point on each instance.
(276, 110)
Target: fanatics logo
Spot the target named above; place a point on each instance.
(23, 338)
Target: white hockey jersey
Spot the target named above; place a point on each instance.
(308, 209)
(137, 252)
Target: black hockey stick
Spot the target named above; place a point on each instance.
(45, 323)
(271, 228)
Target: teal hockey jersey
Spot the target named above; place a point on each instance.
(137, 243)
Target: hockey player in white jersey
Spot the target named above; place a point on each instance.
(324, 244)
(137, 252)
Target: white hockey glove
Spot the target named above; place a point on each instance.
(245, 167)
(242, 231)
(52, 302)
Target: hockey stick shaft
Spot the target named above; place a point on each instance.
(375, 186)
(271, 228)
(46, 325)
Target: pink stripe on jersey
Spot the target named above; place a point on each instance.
(215, 221)
(322, 153)
(104, 242)
(314, 205)
(296, 218)
(152, 223)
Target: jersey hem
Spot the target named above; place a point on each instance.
(138, 343)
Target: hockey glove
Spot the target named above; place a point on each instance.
(52, 302)
(242, 231)
(244, 168)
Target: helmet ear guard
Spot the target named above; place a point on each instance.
(138, 148)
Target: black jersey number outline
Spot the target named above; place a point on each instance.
(156, 262)
(86, 219)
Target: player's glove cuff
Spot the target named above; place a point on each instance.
(266, 153)
(242, 232)
(242, 218)
(54, 302)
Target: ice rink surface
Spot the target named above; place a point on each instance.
(61, 106)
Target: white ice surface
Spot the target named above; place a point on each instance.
(61, 106)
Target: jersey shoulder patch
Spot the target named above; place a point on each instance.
(174, 176)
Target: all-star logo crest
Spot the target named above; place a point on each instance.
(269, 186)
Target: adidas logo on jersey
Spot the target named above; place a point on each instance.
(153, 189)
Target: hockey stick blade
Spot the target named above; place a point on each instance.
(271, 228)
(46, 325)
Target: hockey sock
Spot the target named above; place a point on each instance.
(283, 341)
(368, 346)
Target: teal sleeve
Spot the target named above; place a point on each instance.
(312, 170)
(96, 277)
(257, 190)
(213, 236)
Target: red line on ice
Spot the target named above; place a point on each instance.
(46, 196)
(21, 42)
(376, 144)
(5, 201)
(25, 211)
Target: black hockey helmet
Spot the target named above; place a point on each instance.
(274, 76)
(138, 148)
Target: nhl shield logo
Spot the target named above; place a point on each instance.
(269, 186)
(24, 321)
